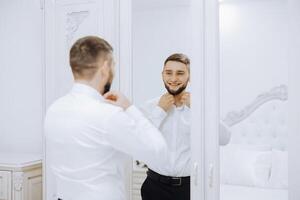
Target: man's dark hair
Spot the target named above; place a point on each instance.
(85, 55)
(178, 57)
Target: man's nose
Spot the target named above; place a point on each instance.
(173, 78)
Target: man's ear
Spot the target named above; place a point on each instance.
(105, 69)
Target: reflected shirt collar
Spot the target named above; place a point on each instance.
(87, 90)
(180, 107)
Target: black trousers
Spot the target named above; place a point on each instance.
(155, 190)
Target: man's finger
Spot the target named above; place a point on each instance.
(112, 95)
(111, 102)
(112, 98)
(108, 94)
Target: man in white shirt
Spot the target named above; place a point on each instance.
(90, 132)
(171, 114)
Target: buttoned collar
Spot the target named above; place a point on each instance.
(87, 90)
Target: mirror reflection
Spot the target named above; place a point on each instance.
(253, 91)
(161, 73)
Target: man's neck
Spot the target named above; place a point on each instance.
(90, 83)
(177, 98)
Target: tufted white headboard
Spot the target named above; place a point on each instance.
(263, 122)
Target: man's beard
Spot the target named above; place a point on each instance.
(177, 92)
(107, 87)
(109, 82)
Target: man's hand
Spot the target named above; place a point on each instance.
(117, 99)
(185, 99)
(166, 101)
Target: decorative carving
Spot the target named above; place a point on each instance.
(279, 93)
(74, 19)
(18, 181)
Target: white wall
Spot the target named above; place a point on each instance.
(253, 50)
(159, 30)
(21, 77)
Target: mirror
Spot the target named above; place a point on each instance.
(161, 29)
(253, 99)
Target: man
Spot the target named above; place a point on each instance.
(171, 114)
(87, 138)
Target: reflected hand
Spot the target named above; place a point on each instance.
(166, 101)
(185, 99)
(117, 98)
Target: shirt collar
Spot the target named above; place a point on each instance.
(87, 90)
(182, 107)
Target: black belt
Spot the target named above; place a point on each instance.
(173, 181)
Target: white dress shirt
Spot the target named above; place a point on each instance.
(87, 143)
(175, 127)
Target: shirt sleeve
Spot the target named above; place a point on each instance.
(154, 113)
(132, 133)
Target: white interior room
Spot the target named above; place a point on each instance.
(244, 67)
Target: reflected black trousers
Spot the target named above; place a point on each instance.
(157, 190)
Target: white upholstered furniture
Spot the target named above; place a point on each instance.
(20, 176)
(254, 165)
(263, 121)
(235, 192)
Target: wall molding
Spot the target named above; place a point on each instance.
(18, 181)
(73, 21)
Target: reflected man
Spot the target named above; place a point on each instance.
(171, 114)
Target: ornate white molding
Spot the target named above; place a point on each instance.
(18, 181)
(74, 19)
(277, 93)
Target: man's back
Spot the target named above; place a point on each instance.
(79, 154)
